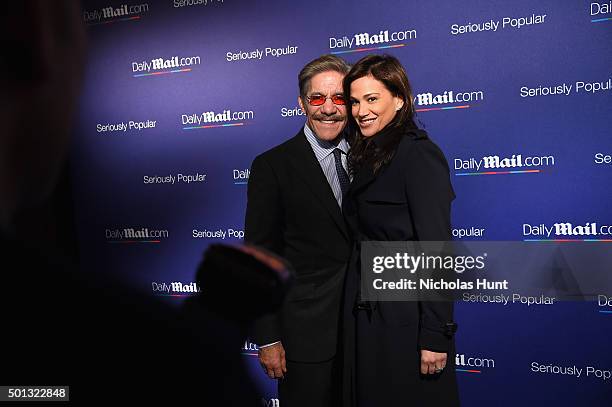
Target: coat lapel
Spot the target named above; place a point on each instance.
(362, 179)
(306, 165)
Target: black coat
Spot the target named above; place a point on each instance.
(292, 212)
(408, 199)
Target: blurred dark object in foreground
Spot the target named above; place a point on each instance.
(63, 324)
(242, 282)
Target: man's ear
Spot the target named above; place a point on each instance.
(301, 104)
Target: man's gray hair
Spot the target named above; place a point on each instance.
(324, 63)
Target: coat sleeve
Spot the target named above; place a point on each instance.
(263, 228)
(429, 194)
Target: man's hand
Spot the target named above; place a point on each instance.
(272, 359)
(432, 362)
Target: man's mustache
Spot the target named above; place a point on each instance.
(335, 117)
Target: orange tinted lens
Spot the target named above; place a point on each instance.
(316, 100)
(338, 100)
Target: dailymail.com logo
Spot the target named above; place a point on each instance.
(567, 231)
(174, 289)
(135, 235)
(469, 364)
(367, 41)
(496, 164)
(164, 65)
(111, 14)
(447, 100)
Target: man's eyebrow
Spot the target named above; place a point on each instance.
(322, 93)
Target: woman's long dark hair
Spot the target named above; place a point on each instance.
(388, 70)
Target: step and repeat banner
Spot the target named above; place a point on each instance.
(181, 95)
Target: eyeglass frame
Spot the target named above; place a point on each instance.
(309, 98)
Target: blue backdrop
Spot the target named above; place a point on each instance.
(181, 95)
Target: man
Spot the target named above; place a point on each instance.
(294, 210)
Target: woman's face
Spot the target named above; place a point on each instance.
(373, 106)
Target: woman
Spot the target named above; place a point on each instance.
(396, 353)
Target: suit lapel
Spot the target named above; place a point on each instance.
(306, 165)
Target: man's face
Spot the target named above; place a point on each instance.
(328, 119)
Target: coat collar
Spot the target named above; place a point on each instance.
(362, 179)
(366, 174)
(382, 140)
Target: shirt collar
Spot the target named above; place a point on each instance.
(323, 148)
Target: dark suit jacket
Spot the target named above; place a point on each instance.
(410, 199)
(292, 212)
